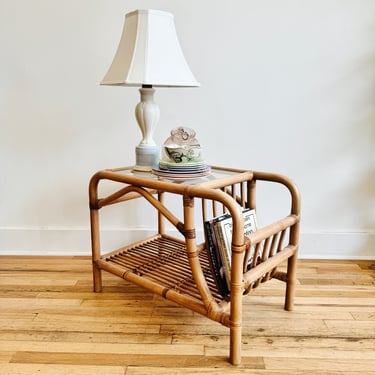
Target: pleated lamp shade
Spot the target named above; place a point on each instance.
(149, 53)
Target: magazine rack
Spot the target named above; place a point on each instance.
(177, 267)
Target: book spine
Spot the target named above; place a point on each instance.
(225, 253)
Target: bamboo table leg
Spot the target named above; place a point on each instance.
(95, 237)
(290, 282)
(95, 245)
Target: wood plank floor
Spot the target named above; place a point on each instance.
(52, 323)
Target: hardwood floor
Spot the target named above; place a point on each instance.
(52, 323)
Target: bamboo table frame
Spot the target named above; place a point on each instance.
(178, 269)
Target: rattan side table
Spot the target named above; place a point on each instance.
(178, 268)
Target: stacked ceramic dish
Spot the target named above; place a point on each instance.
(182, 157)
(182, 171)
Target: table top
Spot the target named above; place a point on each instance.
(219, 176)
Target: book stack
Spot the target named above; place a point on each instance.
(218, 233)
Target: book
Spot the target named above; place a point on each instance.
(216, 264)
(219, 244)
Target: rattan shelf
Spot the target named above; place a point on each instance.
(179, 269)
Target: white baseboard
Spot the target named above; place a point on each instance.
(76, 242)
(337, 245)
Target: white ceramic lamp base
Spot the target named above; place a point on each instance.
(147, 114)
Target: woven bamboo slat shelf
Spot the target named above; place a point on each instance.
(179, 268)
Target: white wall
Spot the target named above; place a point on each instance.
(286, 86)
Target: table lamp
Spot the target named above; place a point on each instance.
(149, 55)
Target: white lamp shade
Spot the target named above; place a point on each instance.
(149, 53)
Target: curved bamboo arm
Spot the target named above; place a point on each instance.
(288, 183)
(238, 249)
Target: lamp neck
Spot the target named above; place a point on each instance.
(146, 86)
